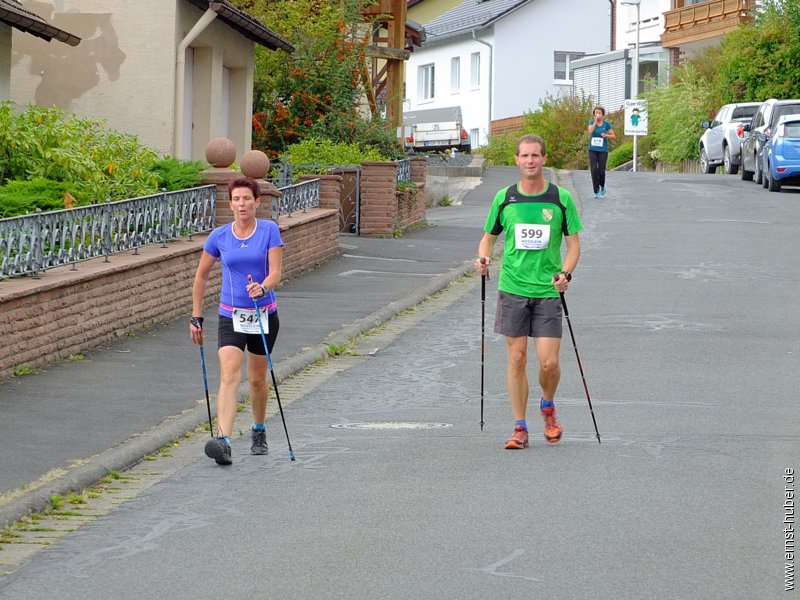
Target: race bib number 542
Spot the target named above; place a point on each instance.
(245, 320)
(531, 237)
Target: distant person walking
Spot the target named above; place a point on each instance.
(250, 251)
(536, 216)
(600, 131)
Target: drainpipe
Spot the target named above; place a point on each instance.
(612, 41)
(180, 78)
(491, 60)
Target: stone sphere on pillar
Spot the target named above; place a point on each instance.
(255, 164)
(220, 152)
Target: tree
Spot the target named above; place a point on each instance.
(758, 60)
(315, 91)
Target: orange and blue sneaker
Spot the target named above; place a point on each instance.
(519, 440)
(552, 428)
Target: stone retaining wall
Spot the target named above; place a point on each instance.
(72, 309)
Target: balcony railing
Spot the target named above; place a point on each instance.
(703, 21)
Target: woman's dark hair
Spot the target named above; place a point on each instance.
(600, 108)
(244, 182)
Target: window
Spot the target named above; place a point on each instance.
(426, 77)
(562, 68)
(474, 138)
(475, 70)
(455, 74)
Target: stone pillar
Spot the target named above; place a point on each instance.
(256, 164)
(378, 199)
(220, 153)
(419, 175)
(221, 177)
(419, 170)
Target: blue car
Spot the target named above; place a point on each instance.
(781, 155)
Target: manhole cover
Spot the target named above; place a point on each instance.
(391, 425)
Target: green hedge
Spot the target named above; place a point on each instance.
(619, 156)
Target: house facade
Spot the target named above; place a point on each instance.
(14, 16)
(669, 31)
(498, 59)
(176, 73)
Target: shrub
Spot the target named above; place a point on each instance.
(175, 174)
(24, 197)
(323, 152)
(99, 163)
(620, 155)
(675, 113)
(562, 123)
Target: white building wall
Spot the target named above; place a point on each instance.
(651, 27)
(525, 44)
(522, 70)
(124, 70)
(474, 101)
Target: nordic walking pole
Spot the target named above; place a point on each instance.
(205, 381)
(272, 372)
(580, 367)
(483, 328)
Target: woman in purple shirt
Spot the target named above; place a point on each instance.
(250, 252)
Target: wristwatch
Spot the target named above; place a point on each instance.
(264, 289)
(567, 275)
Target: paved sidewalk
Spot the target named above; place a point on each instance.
(70, 424)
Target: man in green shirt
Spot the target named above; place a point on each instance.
(535, 216)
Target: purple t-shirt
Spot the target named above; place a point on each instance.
(241, 257)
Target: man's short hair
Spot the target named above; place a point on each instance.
(531, 138)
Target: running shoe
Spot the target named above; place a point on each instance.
(552, 428)
(219, 450)
(597, 194)
(602, 191)
(519, 440)
(259, 442)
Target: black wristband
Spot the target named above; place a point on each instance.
(567, 275)
(197, 322)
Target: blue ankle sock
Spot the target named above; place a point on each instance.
(258, 426)
(227, 439)
(545, 404)
(522, 424)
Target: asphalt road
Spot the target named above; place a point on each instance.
(683, 313)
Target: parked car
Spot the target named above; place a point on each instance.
(721, 140)
(781, 155)
(758, 132)
(435, 129)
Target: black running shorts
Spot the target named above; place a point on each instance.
(253, 342)
(518, 316)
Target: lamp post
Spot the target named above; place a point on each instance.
(635, 69)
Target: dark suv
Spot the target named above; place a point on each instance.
(758, 132)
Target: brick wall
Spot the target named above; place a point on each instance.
(508, 125)
(309, 239)
(76, 308)
(383, 209)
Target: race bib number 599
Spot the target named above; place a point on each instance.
(245, 320)
(531, 237)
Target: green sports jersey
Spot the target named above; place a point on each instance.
(534, 228)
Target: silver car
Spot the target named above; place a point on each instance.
(721, 140)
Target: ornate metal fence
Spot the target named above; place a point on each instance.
(298, 197)
(404, 170)
(33, 243)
